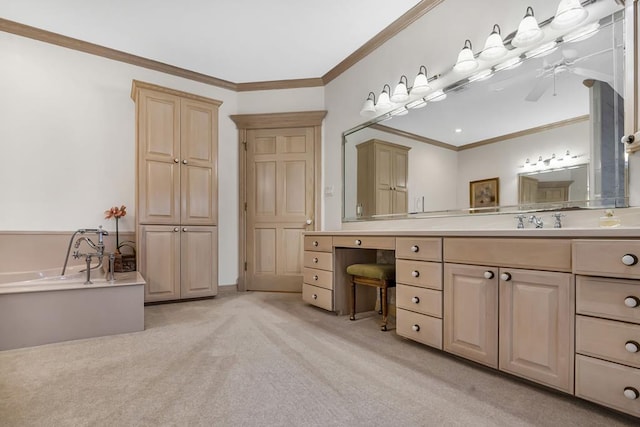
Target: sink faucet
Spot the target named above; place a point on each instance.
(558, 216)
(536, 220)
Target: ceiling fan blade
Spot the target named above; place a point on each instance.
(592, 74)
(539, 89)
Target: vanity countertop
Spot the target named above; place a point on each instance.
(618, 232)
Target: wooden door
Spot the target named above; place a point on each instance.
(159, 262)
(384, 179)
(198, 261)
(280, 182)
(158, 158)
(536, 326)
(198, 163)
(471, 312)
(528, 190)
(400, 162)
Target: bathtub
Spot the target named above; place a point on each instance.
(43, 307)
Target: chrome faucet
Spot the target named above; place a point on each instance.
(98, 247)
(558, 216)
(536, 220)
(520, 219)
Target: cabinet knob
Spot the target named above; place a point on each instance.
(185, 229)
(488, 275)
(632, 346)
(415, 300)
(315, 277)
(358, 242)
(415, 248)
(631, 301)
(314, 296)
(176, 160)
(184, 162)
(176, 229)
(315, 260)
(505, 276)
(315, 243)
(631, 393)
(629, 259)
(415, 273)
(415, 328)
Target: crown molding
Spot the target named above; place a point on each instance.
(137, 85)
(415, 137)
(278, 120)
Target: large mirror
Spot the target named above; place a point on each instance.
(542, 135)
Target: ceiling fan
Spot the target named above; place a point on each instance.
(549, 73)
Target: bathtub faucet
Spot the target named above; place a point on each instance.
(98, 247)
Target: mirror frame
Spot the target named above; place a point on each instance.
(631, 23)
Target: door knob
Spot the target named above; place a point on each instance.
(309, 222)
(631, 301)
(184, 162)
(629, 259)
(505, 276)
(176, 160)
(184, 229)
(176, 229)
(488, 274)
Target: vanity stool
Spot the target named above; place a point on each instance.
(381, 276)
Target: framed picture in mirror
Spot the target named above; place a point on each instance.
(484, 195)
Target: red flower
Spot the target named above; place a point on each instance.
(115, 212)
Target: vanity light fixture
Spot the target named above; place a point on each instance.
(421, 82)
(400, 93)
(582, 33)
(569, 14)
(418, 103)
(529, 32)
(369, 106)
(466, 61)
(494, 46)
(384, 101)
(436, 96)
(509, 64)
(481, 75)
(402, 111)
(542, 50)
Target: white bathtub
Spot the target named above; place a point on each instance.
(45, 309)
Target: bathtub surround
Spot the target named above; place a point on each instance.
(263, 359)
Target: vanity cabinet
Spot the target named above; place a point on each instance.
(177, 185)
(608, 323)
(317, 286)
(419, 290)
(382, 178)
(518, 320)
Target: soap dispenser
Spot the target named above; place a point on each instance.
(609, 220)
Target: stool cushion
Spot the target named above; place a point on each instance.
(373, 271)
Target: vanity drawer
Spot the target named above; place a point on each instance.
(419, 327)
(605, 382)
(607, 339)
(318, 243)
(319, 297)
(603, 297)
(368, 242)
(607, 258)
(533, 254)
(321, 278)
(321, 260)
(421, 300)
(419, 273)
(427, 249)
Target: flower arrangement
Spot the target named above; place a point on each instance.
(117, 213)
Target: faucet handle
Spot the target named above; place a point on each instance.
(558, 217)
(102, 232)
(520, 219)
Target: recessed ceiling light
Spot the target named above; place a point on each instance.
(458, 130)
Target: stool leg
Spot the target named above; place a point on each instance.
(380, 311)
(352, 315)
(383, 304)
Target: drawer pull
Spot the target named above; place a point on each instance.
(315, 277)
(314, 296)
(505, 276)
(358, 242)
(415, 300)
(488, 275)
(415, 248)
(631, 302)
(315, 243)
(416, 328)
(176, 229)
(632, 346)
(415, 273)
(631, 393)
(315, 260)
(629, 259)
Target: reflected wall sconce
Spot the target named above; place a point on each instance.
(421, 82)
(494, 46)
(369, 106)
(400, 93)
(550, 162)
(436, 96)
(569, 14)
(529, 31)
(384, 101)
(466, 60)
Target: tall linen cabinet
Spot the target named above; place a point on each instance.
(176, 192)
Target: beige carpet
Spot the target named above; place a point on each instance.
(263, 359)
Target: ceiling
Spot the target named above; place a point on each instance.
(239, 41)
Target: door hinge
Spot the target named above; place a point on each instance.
(245, 266)
(244, 143)
(245, 206)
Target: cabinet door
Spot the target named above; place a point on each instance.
(384, 180)
(471, 312)
(159, 261)
(158, 158)
(198, 156)
(400, 176)
(199, 262)
(536, 326)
